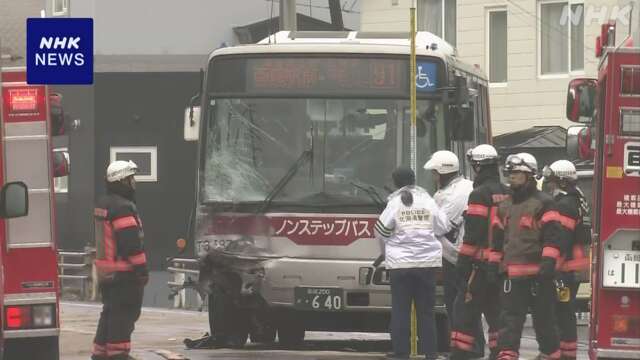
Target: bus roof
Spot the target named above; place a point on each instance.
(427, 44)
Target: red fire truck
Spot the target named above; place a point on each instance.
(29, 289)
(610, 107)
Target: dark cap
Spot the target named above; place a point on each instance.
(403, 176)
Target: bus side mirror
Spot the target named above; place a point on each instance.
(581, 100)
(60, 163)
(14, 200)
(462, 115)
(192, 121)
(578, 143)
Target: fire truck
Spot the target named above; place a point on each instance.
(299, 135)
(609, 108)
(29, 292)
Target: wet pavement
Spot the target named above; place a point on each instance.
(164, 330)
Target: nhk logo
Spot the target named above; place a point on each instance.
(60, 51)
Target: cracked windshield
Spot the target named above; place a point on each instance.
(335, 150)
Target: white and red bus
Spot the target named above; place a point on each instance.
(29, 289)
(299, 135)
(610, 107)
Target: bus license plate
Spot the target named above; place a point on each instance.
(318, 298)
(621, 269)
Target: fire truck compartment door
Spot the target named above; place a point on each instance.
(28, 143)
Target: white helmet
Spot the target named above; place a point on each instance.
(443, 162)
(482, 154)
(524, 162)
(120, 169)
(561, 169)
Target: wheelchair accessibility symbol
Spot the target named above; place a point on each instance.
(426, 77)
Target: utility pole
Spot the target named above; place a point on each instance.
(288, 19)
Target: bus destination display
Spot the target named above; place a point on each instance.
(342, 75)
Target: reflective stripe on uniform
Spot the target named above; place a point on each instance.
(124, 222)
(551, 252)
(565, 221)
(477, 210)
(555, 355)
(109, 266)
(468, 250)
(495, 219)
(138, 259)
(568, 349)
(575, 265)
(99, 350)
(462, 341)
(507, 355)
(495, 256)
(579, 262)
(114, 349)
(382, 230)
(516, 270)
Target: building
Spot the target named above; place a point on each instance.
(147, 60)
(530, 49)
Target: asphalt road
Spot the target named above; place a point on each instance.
(161, 330)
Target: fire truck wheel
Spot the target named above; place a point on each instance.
(44, 348)
(290, 329)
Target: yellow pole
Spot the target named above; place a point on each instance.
(414, 330)
(412, 87)
(412, 83)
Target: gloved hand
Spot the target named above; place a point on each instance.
(547, 268)
(493, 276)
(464, 266)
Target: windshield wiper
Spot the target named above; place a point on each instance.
(306, 156)
(372, 192)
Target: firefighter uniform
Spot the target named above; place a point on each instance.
(479, 291)
(572, 210)
(122, 273)
(532, 240)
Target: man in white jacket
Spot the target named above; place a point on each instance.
(408, 229)
(452, 197)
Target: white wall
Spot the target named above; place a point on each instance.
(527, 99)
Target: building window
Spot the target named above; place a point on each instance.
(433, 19)
(145, 157)
(561, 37)
(60, 7)
(61, 183)
(497, 45)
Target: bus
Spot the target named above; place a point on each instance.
(298, 136)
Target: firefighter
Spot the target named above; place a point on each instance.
(479, 290)
(560, 180)
(532, 241)
(452, 197)
(120, 263)
(407, 228)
